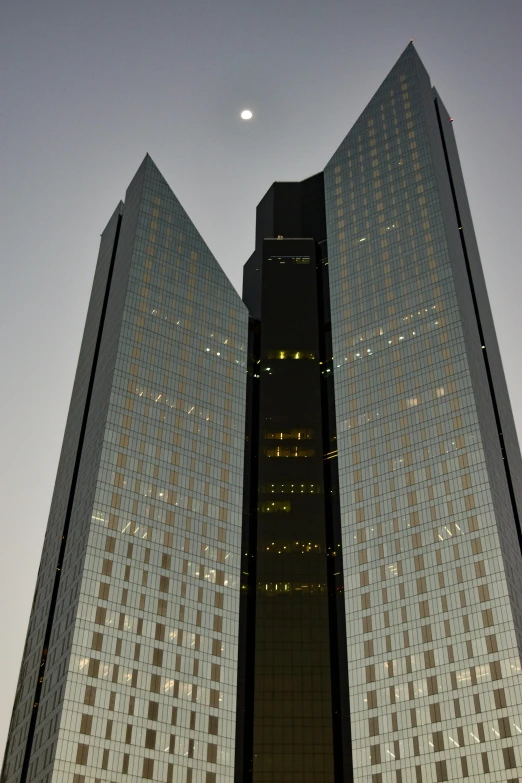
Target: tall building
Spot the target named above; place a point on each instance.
(429, 466)
(296, 662)
(130, 666)
(284, 544)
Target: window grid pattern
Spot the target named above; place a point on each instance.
(151, 681)
(435, 682)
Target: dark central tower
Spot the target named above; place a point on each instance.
(293, 661)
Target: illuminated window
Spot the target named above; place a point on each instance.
(284, 354)
(275, 507)
(294, 489)
(299, 434)
(291, 451)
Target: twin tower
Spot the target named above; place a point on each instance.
(284, 544)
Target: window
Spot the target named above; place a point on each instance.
(287, 488)
(293, 451)
(275, 507)
(86, 724)
(295, 434)
(290, 354)
(82, 753)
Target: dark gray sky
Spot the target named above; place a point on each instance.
(87, 88)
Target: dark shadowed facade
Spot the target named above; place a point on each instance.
(298, 678)
(284, 544)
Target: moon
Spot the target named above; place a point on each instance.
(246, 114)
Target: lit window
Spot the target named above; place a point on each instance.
(291, 451)
(275, 507)
(284, 354)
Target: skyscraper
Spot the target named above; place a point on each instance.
(129, 668)
(429, 466)
(293, 724)
(284, 544)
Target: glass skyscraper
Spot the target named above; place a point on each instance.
(130, 665)
(284, 544)
(428, 462)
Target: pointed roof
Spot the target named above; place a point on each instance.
(149, 183)
(408, 62)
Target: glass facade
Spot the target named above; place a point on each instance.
(284, 544)
(145, 685)
(292, 692)
(292, 659)
(434, 667)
